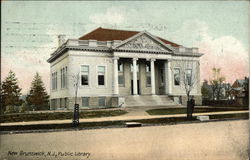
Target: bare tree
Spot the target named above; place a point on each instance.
(189, 73)
(188, 80)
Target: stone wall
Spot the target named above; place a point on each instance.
(93, 103)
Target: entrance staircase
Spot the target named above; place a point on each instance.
(148, 100)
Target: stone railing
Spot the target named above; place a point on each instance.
(109, 44)
(91, 43)
(182, 49)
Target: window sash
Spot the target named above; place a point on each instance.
(101, 80)
(148, 80)
(84, 68)
(101, 75)
(120, 67)
(120, 79)
(85, 80)
(148, 68)
(84, 75)
(85, 101)
(101, 69)
(177, 76)
(101, 101)
(188, 76)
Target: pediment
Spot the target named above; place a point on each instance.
(143, 42)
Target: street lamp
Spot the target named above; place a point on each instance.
(75, 121)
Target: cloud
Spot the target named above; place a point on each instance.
(113, 15)
(225, 52)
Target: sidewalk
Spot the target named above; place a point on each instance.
(127, 117)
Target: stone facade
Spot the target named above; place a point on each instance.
(139, 65)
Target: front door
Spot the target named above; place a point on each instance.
(138, 87)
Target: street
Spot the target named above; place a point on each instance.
(213, 140)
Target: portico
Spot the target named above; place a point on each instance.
(142, 75)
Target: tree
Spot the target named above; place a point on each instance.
(246, 90)
(216, 83)
(10, 92)
(38, 96)
(205, 90)
(189, 74)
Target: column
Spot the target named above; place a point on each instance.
(116, 85)
(168, 77)
(152, 72)
(135, 90)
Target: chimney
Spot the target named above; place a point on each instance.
(61, 39)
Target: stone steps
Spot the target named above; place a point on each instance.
(148, 100)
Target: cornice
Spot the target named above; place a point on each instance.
(63, 48)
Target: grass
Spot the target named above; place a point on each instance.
(230, 116)
(168, 111)
(121, 123)
(25, 117)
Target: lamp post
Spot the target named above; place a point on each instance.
(75, 121)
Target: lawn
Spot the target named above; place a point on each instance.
(167, 111)
(24, 117)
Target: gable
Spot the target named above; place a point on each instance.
(143, 42)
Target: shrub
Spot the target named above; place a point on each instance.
(10, 109)
(41, 107)
(25, 107)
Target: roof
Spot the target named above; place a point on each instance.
(238, 88)
(103, 34)
(241, 81)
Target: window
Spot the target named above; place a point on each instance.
(101, 75)
(188, 76)
(85, 101)
(61, 103)
(162, 76)
(84, 75)
(64, 77)
(120, 74)
(148, 74)
(101, 101)
(121, 80)
(148, 81)
(54, 81)
(53, 103)
(176, 76)
(65, 102)
(120, 67)
(148, 68)
(61, 78)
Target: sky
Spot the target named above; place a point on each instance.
(219, 29)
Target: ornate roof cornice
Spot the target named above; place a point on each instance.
(101, 46)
